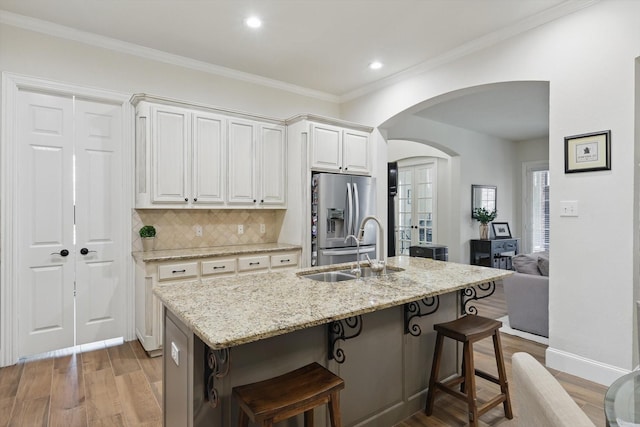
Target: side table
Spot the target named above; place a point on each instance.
(494, 253)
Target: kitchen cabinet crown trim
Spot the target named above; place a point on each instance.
(328, 121)
(140, 97)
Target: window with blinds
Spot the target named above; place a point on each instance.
(539, 209)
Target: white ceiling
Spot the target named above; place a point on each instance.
(318, 47)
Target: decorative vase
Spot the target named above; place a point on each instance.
(484, 231)
(148, 243)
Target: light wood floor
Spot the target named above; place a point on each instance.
(121, 386)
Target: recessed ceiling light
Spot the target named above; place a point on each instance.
(253, 22)
(375, 65)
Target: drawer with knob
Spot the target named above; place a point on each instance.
(284, 260)
(253, 263)
(218, 267)
(178, 271)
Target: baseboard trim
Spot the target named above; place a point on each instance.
(582, 367)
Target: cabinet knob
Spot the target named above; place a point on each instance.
(186, 199)
(346, 168)
(254, 200)
(195, 199)
(261, 201)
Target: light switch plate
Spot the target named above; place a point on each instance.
(263, 228)
(175, 353)
(569, 208)
(240, 229)
(198, 229)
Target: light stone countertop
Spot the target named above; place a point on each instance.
(182, 254)
(231, 311)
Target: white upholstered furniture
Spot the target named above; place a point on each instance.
(527, 293)
(539, 398)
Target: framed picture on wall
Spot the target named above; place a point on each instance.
(501, 230)
(587, 152)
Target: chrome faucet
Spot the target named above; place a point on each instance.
(357, 271)
(378, 265)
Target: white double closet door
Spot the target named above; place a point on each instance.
(69, 221)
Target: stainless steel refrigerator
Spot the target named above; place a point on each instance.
(338, 204)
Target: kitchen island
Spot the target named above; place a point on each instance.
(230, 331)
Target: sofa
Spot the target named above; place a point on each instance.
(539, 398)
(527, 293)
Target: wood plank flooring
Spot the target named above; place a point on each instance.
(114, 386)
(121, 386)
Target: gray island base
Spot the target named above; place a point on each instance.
(233, 331)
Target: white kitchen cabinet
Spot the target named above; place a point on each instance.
(194, 156)
(339, 149)
(150, 273)
(257, 159)
(181, 154)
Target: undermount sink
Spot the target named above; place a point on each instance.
(342, 275)
(330, 276)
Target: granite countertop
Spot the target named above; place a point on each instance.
(181, 254)
(231, 311)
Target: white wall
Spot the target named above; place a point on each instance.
(589, 60)
(38, 55)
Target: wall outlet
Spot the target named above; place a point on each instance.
(198, 229)
(263, 228)
(240, 229)
(175, 353)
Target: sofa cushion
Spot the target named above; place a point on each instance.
(543, 266)
(526, 263)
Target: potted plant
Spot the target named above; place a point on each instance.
(148, 236)
(485, 217)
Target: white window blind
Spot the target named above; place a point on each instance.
(539, 213)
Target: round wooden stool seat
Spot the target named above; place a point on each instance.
(467, 330)
(300, 391)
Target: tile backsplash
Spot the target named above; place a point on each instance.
(176, 228)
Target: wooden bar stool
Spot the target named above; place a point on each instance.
(276, 399)
(467, 330)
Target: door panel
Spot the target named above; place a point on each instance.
(45, 222)
(241, 158)
(69, 153)
(209, 165)
(170, 155)
(99, 298)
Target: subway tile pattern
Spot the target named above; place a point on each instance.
(176, 228)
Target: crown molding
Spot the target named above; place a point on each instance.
(92, 39)
(566, 8)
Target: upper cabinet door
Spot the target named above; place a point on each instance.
(355, 152)
(326, 148)
(209, 159)
(241, 162)
(272, 173)
(341, 150)
(170, 136)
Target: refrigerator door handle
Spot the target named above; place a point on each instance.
(348, 252)
(356, 201)
(350, 213)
